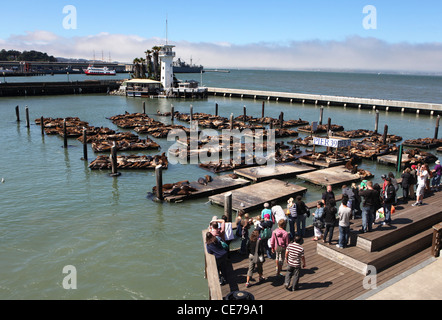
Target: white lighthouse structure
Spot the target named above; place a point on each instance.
(166, 56)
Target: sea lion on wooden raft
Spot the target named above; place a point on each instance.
(202, 181)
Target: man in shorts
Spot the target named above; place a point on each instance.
(422, 176)
(279, 243)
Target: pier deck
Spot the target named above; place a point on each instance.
(331, 176)
(323, 278)
(279, 170)
(254, 196)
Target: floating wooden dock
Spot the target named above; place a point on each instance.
(219, 184)
(391, 159)
(254, 196)
(424, 143)
(331, 176)
(279, 170)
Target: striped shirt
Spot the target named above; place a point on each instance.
(294, 254)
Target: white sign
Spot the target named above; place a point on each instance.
(333, 143)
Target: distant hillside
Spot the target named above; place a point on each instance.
(14, 55)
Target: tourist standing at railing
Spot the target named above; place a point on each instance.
(295, 260)
(413, 172)
(437, 173)
(328, 194)
(214, 246)
(292, 216)
(279, 243)
(422, 176)
(330, 212)
(256, 250)
(407, 180)
(303, 213)
(389, 196)
(368, 211)
(344, 214)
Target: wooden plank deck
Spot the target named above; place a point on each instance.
(331, 176)
(219, 184)
(391, 159)
(254, 196)
(280, 170)
(322, 279)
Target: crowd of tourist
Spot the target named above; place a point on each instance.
(270, 239)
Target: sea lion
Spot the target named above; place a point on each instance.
(202, 181)
(208, 178)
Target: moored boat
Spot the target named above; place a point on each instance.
(94, 71)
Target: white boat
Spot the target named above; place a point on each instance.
(94, 71)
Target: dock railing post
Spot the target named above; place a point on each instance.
(436, 129)
(159, 181)
(228, 206)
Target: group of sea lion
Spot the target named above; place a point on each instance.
(182, 187)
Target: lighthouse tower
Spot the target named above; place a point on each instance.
(166, 56)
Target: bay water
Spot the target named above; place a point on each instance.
(56, 212)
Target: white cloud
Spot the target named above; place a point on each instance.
(352, 53)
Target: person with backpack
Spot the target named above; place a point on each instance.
(266, 234)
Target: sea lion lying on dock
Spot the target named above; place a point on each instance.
(202, 181)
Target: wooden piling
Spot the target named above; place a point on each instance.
(191, 113)
(172, 113)
(245, 113)
(17, 113)
(42, 125)
(114, 163)
(281, 119)
(84, 144)
(65, 135)
(384, 137)
(231, 121)
(436, 129)
(376, 123)
(321, 112)
(144, 107)
(216, 109)
(228, 206)
(159, 182)
(262, 110)
(28, 124)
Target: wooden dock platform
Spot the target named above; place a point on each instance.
(391, 159)
(331, 176)
(219, 184)
(278, 171)
(323, 278)
(254, 196)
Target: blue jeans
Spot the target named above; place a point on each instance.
(344, 233)
(436, 181)
(300, 220)
(292, 222)
(367, 218)
(387, 212)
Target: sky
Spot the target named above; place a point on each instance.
(279, 34)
